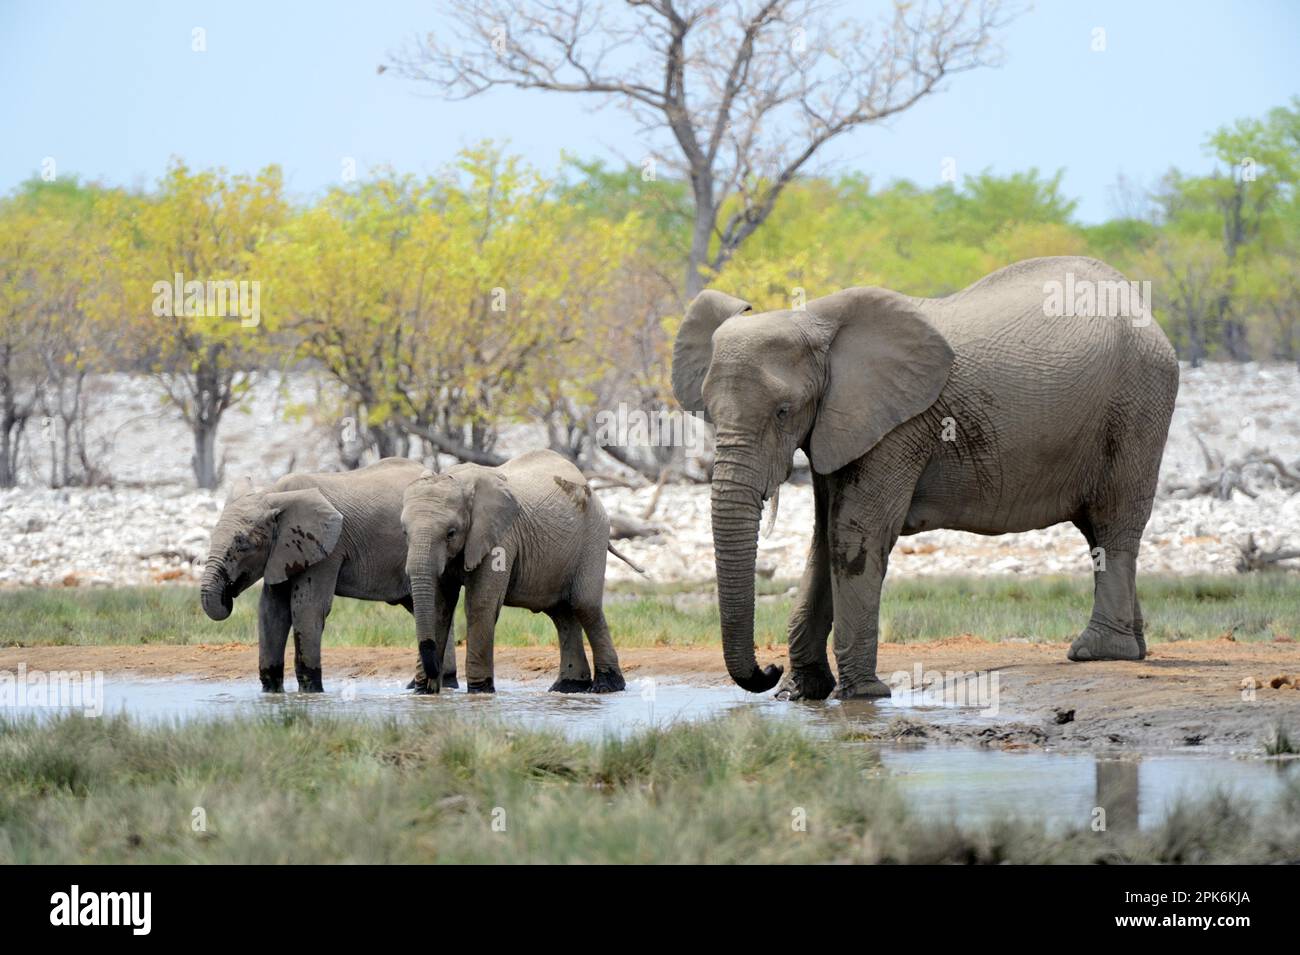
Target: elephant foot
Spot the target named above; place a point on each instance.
(807, 683)
(421, 685)
(1096, 644)
(309, 680)
(272, 679)
(873, 689)
(481, 686)
(570, 685)
(608, 681)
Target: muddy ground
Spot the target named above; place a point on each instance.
(1186, 694)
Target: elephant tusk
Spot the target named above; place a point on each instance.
(771, 514)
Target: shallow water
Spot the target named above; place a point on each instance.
(963, 783)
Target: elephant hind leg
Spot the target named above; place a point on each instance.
(1138, 626)
(575, 674)
(1114, 631)
(609, 676)
(310, 602)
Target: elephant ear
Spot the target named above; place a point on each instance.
(492, 512)
(693, 349)
(886, 364)
(307, 528)
(241, 487)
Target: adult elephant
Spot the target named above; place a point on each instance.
(1026, 400)
(309, 538)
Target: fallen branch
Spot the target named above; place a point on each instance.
(168, 553)
(448, 446)
(1223, 477)
(612, 480)
(624, 527)
(654, 498)
(1253, 558)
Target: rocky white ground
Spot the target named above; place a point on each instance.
(129, 535)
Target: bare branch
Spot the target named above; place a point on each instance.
(747, 91)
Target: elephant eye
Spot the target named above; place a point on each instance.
(451, 532)
(782, 411)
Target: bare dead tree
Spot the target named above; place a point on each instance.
(736, 97)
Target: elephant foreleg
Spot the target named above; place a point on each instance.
(313, 595)
(484, 595)
(861, 538)
(810, 676)
(444, 623)
(273, 621)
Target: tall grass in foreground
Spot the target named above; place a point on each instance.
(1254, 607)
(297, 788)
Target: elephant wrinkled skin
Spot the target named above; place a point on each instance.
(987, 411)
(526, 534)
(310, 537)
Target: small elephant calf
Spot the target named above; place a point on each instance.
(526, 534)
(309, 538)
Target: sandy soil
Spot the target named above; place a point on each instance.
(1186, 694)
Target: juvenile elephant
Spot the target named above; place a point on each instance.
(526, 534)
(998, 409)
(311, 537)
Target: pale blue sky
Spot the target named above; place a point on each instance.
(112, 90)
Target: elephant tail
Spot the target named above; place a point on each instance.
(640, 570)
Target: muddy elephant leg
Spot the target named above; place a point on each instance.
(609, 676)
(575, 674)
(810, 676)
(312, 597)
(870, 517)
(1113, 631)
(273, 622)
(444, 620)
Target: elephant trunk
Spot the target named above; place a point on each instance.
(214, 591)
(424, 573)
(737, 510)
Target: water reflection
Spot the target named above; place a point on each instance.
(1117, 795)
(965, 783)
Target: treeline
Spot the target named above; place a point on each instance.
(444, 308)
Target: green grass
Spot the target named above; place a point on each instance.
(1251, 607)
(297, 788)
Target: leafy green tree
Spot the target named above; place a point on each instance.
(191, 266)
(448, 306)
(55, 299)
(1245, 205)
